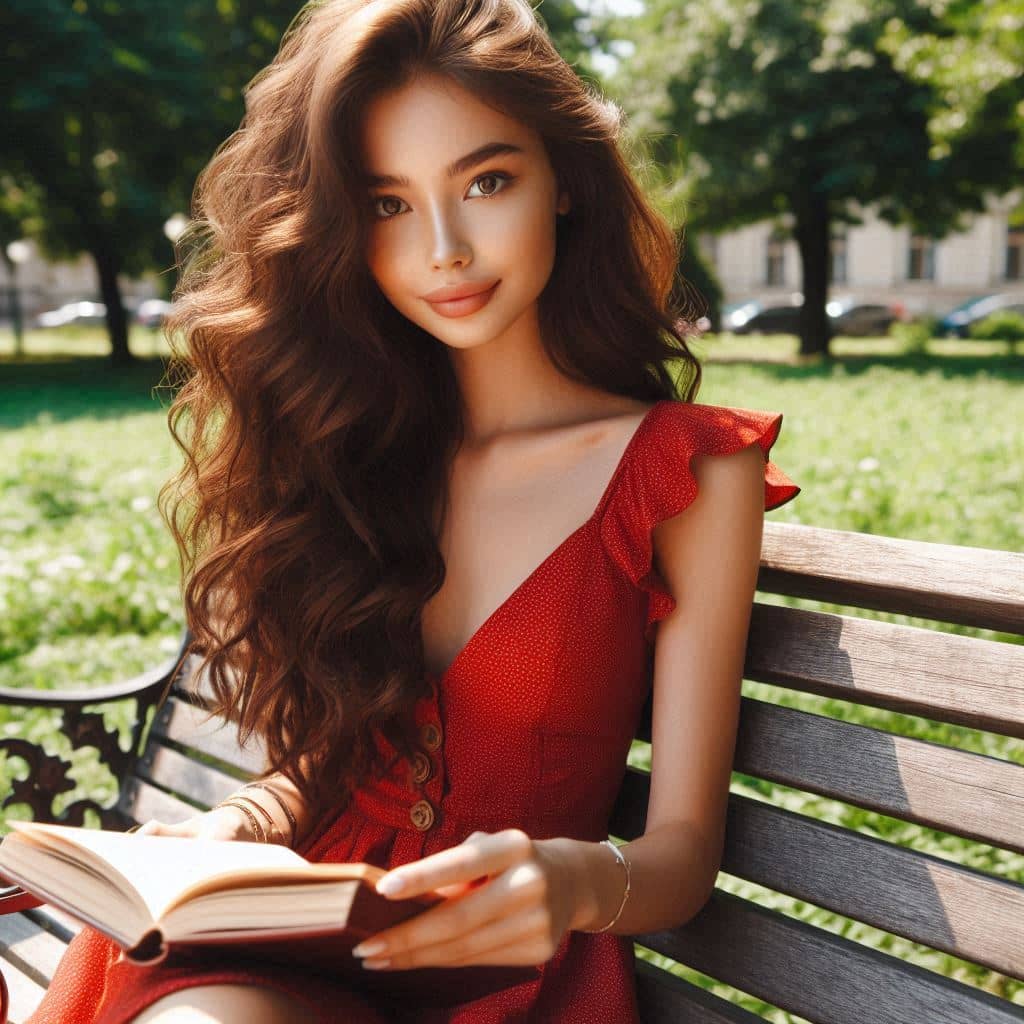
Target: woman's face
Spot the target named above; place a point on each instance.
(458, 221)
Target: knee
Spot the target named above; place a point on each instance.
(223, 1004)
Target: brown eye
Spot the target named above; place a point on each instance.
(385, 199)
(493, 176)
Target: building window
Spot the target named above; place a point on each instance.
(1014, 253)
(921, 259)
(839, 246)
(775, 258)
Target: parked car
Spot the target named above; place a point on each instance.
(736, 314)
(848, 316)
(81, 313)
(755, 317)
(957, 322)
(151, 312)
(856, 319)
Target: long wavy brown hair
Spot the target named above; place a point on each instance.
(317, 422)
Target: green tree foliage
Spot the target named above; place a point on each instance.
(975, 65)
(795, 110)
(975, 62)
(112, 107)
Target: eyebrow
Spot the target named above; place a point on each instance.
(460, 166)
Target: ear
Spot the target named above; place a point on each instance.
(564, 203)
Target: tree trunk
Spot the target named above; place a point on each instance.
(810, 209)
(117, 324)
(14, 299)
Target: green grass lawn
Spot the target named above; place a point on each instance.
(924, 445)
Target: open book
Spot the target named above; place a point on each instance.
(157, 895)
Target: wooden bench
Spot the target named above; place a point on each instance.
(818, 973)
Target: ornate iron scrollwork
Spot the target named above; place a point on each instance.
(47, 778)
(49, 775)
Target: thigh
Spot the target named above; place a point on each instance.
(224, 1004)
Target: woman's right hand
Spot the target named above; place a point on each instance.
(220, 823)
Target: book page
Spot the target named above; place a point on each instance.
(93, 899)
(271, 908)
(159, 868)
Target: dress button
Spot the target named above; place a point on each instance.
(422, 815)
(422, 769)
(430, 734)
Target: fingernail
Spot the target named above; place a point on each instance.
(389, 886)
(369, 948)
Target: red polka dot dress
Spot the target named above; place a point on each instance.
(529, 727)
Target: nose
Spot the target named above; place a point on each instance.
(450, 244)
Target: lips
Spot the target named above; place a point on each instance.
(451, 292)
(461, 300)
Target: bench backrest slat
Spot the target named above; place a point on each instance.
(956, 909)
(38, 951)
(24, 991)
(140, 800)
(950, 583)
(183, 776)
(667, 997)
(818, 975)
(184, 723)
(972, 795)
(950, 678)
(57, 922)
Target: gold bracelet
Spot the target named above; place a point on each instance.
(625, 863)
(272, 828)
(281, 803)
(257, 828)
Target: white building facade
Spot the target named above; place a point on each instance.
(877, 262)
(42, 285)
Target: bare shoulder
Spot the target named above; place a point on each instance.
(727, 485)
(726, 515)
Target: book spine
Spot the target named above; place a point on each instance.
(150, 949)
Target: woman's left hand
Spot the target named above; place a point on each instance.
(518, 916)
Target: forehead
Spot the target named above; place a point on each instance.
(421, 128)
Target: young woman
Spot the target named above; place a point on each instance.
(445, 520)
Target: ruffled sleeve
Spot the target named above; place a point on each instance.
(659, 482)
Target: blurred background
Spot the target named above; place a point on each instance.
(846, 180)
(838, 169)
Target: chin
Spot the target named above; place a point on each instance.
(468, 340)
(468, 332)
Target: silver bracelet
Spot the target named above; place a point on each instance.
(625, 863)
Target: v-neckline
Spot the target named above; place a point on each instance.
(461, 654)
